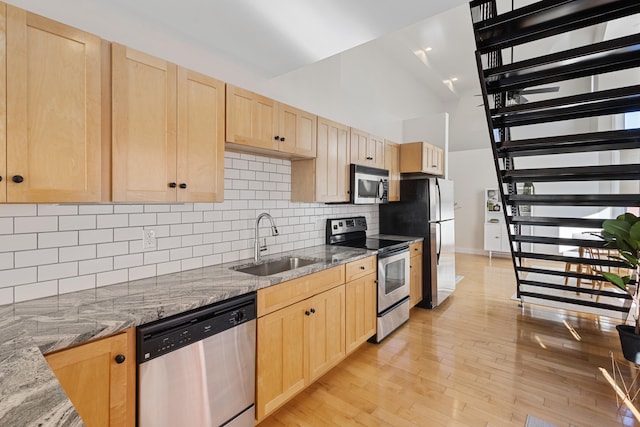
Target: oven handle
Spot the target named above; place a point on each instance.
(388, 253)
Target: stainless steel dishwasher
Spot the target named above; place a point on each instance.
(197, 369)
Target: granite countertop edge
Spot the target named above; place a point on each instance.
(29, 391)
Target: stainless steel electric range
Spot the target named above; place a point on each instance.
(393, 270)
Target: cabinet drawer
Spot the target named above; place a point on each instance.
(415, 248)
(360, 268)
(283, 294)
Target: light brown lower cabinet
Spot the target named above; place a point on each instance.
(100, 379)
(360, 300)
(415, 274)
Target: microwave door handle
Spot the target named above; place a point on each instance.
(381, 189)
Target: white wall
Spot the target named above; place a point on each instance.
(50, 249)
(472, 171)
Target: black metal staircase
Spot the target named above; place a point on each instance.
(581, 176)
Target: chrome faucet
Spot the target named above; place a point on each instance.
(274, 232)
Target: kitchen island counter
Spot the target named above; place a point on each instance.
(29, 391)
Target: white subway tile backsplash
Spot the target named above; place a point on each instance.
(48, 249)
(95, 209)
(98, 265)
(77, 253)
(36, 224)
(112, 249)
(112, 221)
(169, 267)
(6, 225)
(111, 277)
(18, 276)
(6, 260)
(128, 261)
(18, 210)
(36, 290)
(36, 257)
(49, 210)
(57, 271)
(88, 237)
(74, 284)
(6, 296)
(18, 242)
(78, 222)
(142, 272)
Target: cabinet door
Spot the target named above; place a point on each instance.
(392, 163)
(493, 237)
(326, 331)
(297, 131)
(251, 119)
(415, 285)
(360, 151)
(144, 127)
(360, 306)
(437, 160)
(101, 389)
(332, 162)
(53, 111)
(282, 357)
(200, 141)
(376, 152)
(3, 104)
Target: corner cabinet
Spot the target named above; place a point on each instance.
(100, 379)
(415, 274)
(51, 96)
(260, 124)
(324, 179)
(300, 335)
(421, 157)
(168, 131)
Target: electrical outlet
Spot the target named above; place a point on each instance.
(148, 238)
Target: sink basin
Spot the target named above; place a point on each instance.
(268, 268)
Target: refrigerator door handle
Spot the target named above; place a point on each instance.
(439, 225)
(439, 202)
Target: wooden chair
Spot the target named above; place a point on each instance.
(597, 270)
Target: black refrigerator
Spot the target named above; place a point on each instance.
(425, 210)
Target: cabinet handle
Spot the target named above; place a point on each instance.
(313, 310)
(277, 138)
(307, 313)
(172, 185)
(0, 178)
(282, 138)
(120, 359)
(183, 185)
(17, 179)
(362, 267)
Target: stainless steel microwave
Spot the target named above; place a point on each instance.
(369, 185)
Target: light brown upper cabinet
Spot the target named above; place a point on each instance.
(168, 131)
(392, 164)
(51, 114)
(421, 157)
(366, 149)
(325, 178)
(260, 124)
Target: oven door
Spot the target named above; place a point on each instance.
(393, 278)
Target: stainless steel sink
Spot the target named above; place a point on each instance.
(267, 268)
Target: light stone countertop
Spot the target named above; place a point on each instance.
(30, 394)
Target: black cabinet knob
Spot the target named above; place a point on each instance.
(313, 310)
(277, 138)
(120, 359)
(307, 313)
(0, 179)
(183, 185)
(362, 267)
(172, 185)
(282, 139)
(17, 179)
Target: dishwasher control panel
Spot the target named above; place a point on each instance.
(166, 335)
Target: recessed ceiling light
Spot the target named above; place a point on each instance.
(454, 79)
(428, 49)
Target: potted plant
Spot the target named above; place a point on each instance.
(623, 234)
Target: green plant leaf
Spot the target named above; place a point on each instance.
(634, 232)
(615, 279)
(616, 227)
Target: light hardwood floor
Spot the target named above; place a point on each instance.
(477, 360)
